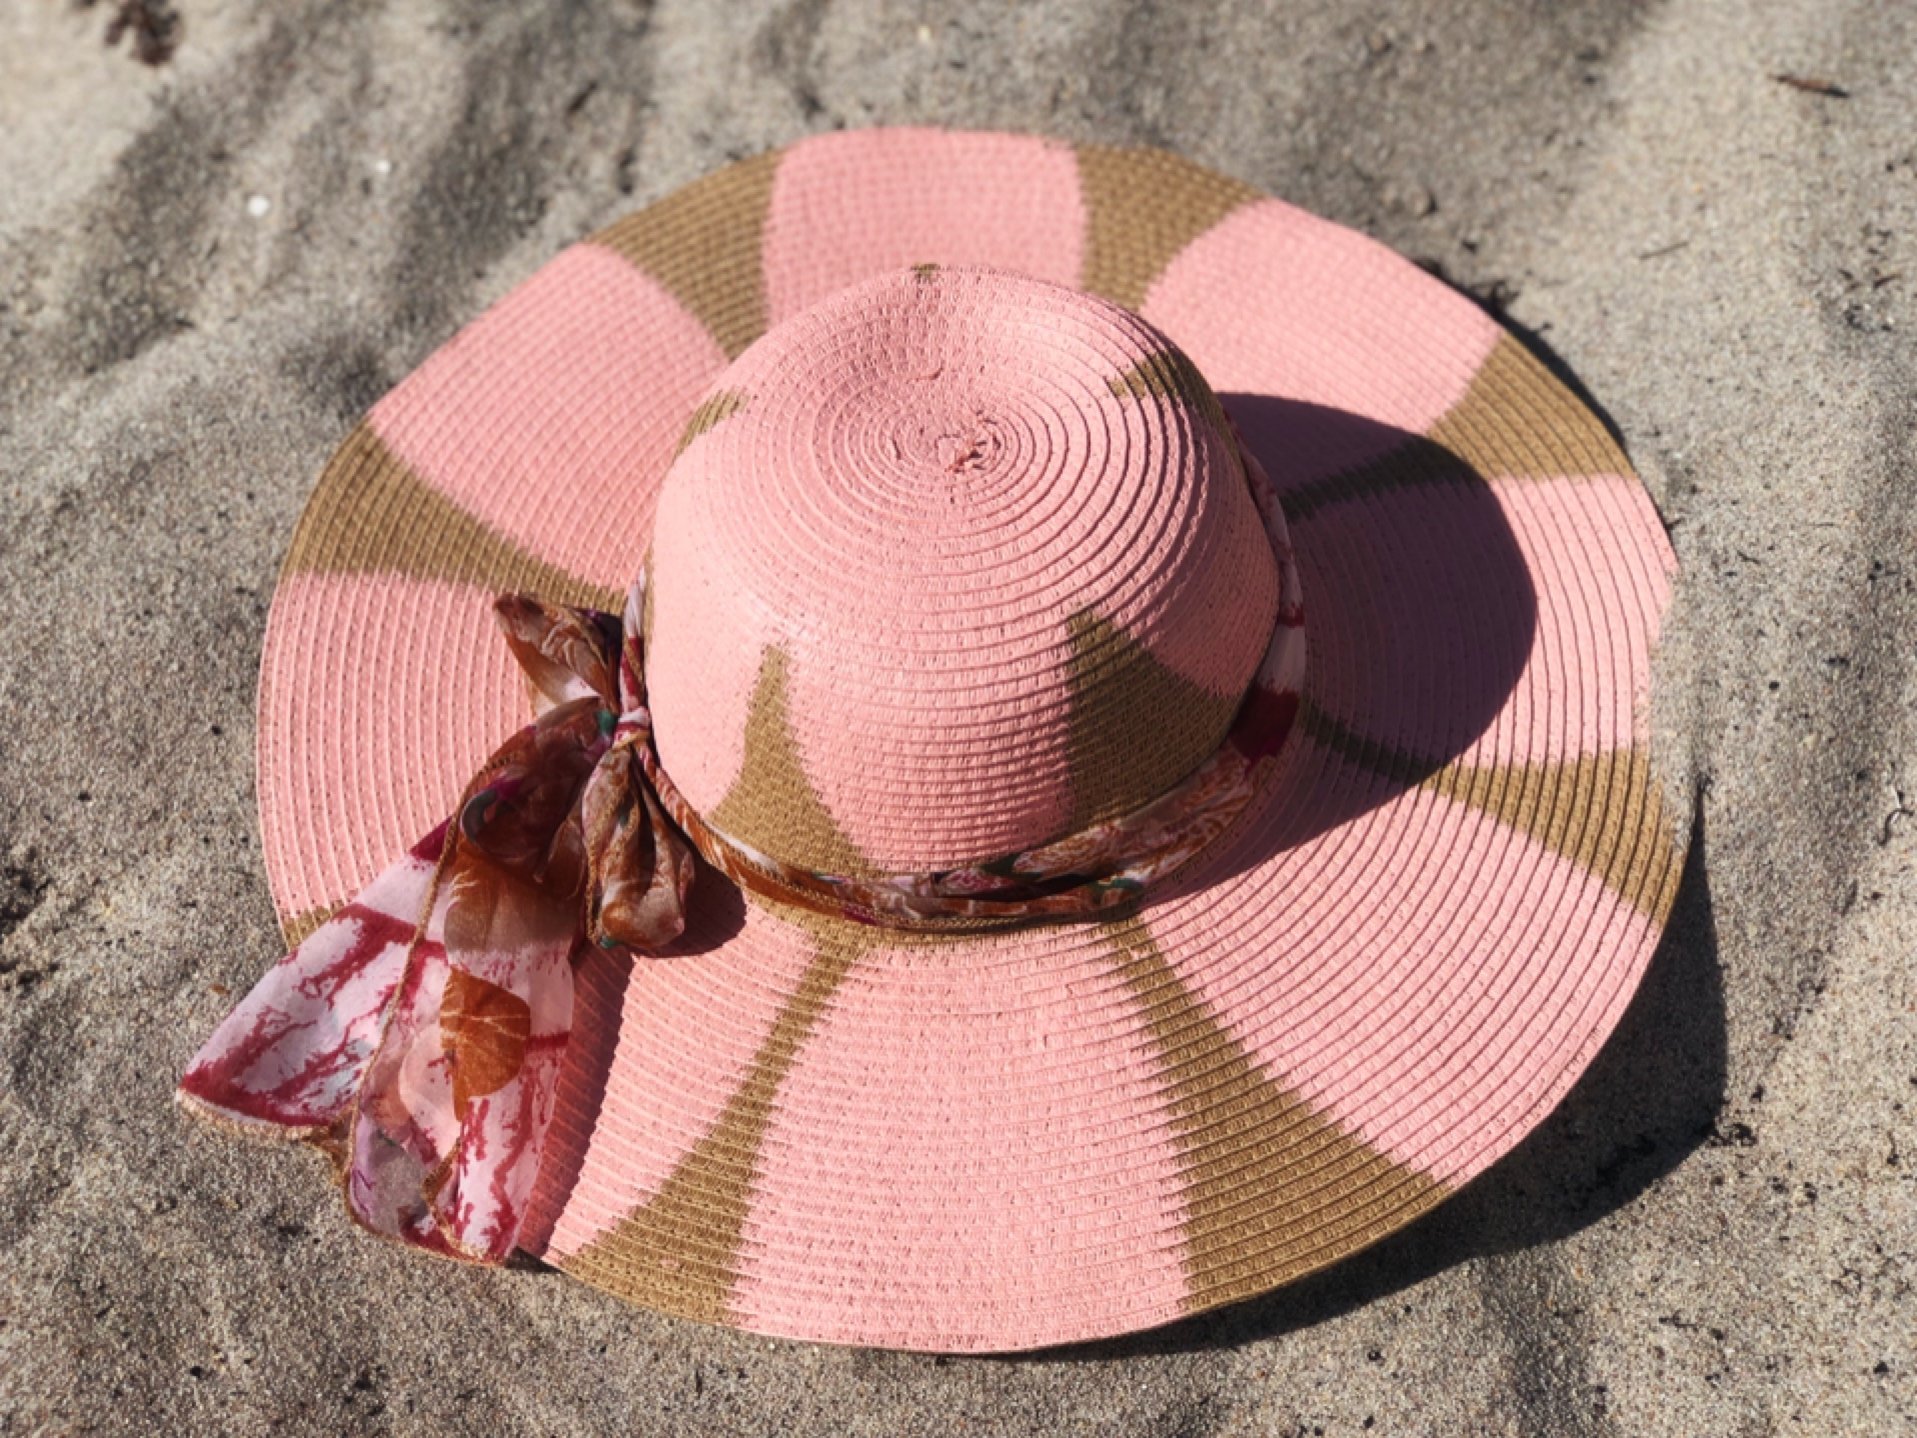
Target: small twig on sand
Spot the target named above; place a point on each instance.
(1662, 250)
(1902, 811)
(1811, 85)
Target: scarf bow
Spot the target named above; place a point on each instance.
(418, 1034)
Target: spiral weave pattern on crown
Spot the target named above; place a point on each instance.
(949, 565)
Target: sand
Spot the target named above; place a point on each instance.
(210, 266)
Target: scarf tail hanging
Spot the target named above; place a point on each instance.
(288, 1060)
(417, 1036)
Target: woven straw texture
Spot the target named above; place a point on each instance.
(958, 571)
(1385, 978)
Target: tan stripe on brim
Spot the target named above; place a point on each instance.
(1141, 208)
(1417, 462)
(1602, 812)
(371, 514)
(703, 243)
(1476, 440)
(296, 928)
(678, 1252)
(1272, 1189)
(1518, 421)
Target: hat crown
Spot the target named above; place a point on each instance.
(949, 565)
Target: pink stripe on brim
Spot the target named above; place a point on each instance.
(370, 730)
(1602, 569)
(667, 1080)
(1500, 623)
(849, 206)
(1439, 1009)
(553, 416)
(958, 1165)
(1276, 302)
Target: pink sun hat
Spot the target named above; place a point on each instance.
(1088, 755)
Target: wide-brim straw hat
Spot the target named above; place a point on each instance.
(899, 628)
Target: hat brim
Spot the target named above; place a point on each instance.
(1391, 974)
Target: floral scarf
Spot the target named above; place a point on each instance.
(418, 1034)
